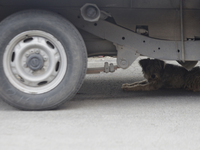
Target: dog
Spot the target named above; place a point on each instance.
(159, 75)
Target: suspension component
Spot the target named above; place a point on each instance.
(107, 68)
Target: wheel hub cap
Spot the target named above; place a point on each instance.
(35, 62)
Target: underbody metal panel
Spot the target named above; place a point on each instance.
(135, 4)
(162, 49)
(162, 19)
(161, 16)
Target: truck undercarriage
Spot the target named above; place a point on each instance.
(127, 29)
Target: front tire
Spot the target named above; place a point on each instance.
(44, 60)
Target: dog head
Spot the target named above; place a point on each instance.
(152, 68)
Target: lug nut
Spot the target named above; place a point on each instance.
(45, 58)
(32, 51)
(37, 51)
(26, 54)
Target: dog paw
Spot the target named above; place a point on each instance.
(129, 84)
(132, 88)
(126, 85)
(125, 89)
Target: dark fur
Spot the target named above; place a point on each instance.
(160, 75)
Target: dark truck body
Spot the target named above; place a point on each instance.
(161, 18)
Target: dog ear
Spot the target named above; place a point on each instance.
(143, 63)
(161, 63)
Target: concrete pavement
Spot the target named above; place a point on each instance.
(103, 117)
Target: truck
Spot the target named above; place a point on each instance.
(44, 45)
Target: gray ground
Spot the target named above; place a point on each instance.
(102, 116)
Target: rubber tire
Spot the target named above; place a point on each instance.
(73, 44)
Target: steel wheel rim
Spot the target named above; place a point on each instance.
(35, 62)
